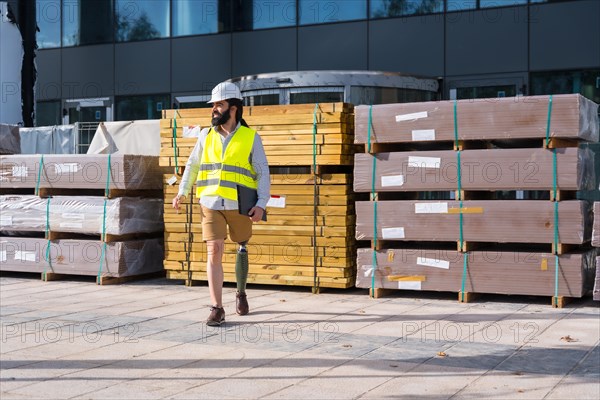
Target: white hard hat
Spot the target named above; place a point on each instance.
(224, 91)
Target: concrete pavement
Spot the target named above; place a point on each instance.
(148, 340)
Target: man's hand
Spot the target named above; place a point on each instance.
(177, 200)
(256, 214)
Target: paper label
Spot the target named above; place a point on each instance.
(73, 225)
(191, 131)
(276, 201)
(172, 180)
(411, 117)
(2, 256)
(392, 180)
(392, 233)
(409, 285)
(73, 216)
(431, 208)
(19, 171)
(423, 134)
(25, 256)
(424, 162)
(432, 262)
(368, 270)
(65, 168)
(5, 220)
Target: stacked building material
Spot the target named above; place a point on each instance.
(42, 202)
(479, 160)
(10, 140)
(596, 243)
(308, 239)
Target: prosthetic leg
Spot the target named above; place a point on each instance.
(241, 277)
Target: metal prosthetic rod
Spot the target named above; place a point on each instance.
(241, 268)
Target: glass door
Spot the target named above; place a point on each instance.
(87, 113)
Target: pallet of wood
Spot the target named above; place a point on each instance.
(308, 239)
(81, 257)
(10, 140)
(572, 116)
(44, 201)
(511, 176)
(596, 243)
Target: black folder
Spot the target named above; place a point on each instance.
(247, 199)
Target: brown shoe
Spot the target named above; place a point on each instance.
(241, 303)
(216, 317)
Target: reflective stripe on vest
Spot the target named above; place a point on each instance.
(220, 173)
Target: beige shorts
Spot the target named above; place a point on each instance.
(215, 223)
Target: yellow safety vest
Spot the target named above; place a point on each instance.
(220, 173)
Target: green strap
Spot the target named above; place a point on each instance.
(47, 255)
(374, 198)
(460, 207)
(315, 194)
(175, 140)
(40, 169)
(548, 122)
(103, 237)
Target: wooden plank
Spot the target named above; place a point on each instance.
(266, 110)
(258, 238)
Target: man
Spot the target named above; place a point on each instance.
(226, 155)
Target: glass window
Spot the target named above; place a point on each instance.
(486, 92)
(261, 14)
(500, 3)
(325, 95)
(48, 21)
(142, 19)
(141, 107)
(87, 22)
(47, 113)
(261, 100)
(397, 8)
(587, 83)
(198, 17)
(457, 5)
(325, 11)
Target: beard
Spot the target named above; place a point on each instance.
(221, 119)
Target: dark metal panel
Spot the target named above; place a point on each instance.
(48, 83)
(199, 63)
(142, 68)
(88, 71)
(264, 51)
(333, 46)
(410, 45)
(486, 41)
(565, 35)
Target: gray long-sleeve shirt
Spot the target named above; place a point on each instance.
(258, 159)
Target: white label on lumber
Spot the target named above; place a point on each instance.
(432, 262)
(392, 180)
(25, 256)
(409, 285)
(276, 201)
(191, 131)
(5, 220)
(423, 134)
(172, 180)
(73, 215)
(2, 256)
(72, 225)
(411, 117)
(392, 233)
(431, 208)
(424, 162)
(65, 168)
(368, 270)
(19, 171)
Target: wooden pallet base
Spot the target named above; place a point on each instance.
(103, 280)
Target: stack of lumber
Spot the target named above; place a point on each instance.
(505, 150)
(308, 239)
(47, 226)
(596, 243)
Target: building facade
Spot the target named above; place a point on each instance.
(127, 59)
